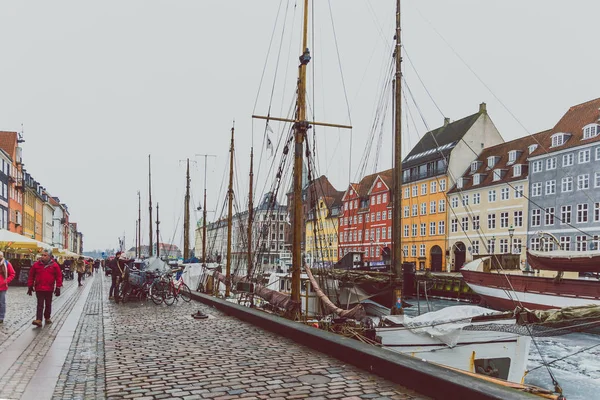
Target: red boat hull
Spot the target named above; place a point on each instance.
(505, 292)
(553, 262)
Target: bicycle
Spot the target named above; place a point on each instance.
(176, 288)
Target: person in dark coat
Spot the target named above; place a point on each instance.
(114, 288)
(44, 275)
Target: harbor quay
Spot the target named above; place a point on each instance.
(96, 349)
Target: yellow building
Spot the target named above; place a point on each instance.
(322, 230)
(39, 216)
(428, 172)
(29, 212)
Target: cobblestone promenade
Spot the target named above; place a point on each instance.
(96, 349)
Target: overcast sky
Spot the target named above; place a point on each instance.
(100, 85)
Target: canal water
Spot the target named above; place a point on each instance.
(578, 373)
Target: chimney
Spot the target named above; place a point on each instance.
(483, 108)
(446, 121)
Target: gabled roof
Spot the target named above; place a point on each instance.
(572, 122)
(501, 151)
(8, 143)
(443, 139)
(387, 177)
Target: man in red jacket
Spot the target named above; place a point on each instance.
(42, 276)
(7, 273)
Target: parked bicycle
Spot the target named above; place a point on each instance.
(177, 288)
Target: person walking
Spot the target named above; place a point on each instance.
(7, 274)
(112, 265)
(44, 275)
(80, 269)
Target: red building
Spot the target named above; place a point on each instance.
(365, 223)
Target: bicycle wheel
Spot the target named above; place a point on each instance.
(185, 293)
(156, 292)
(124, 291)
(169, 295)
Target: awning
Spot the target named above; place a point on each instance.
(11, 241)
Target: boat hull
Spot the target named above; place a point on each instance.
(472, 348)
(564, 261)
(506, 291)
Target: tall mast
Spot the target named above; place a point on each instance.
(229, 219)
(150, 206)
(136, 238)
(139, 225)
(300, 128)
(250, 215)
(204, 208)
(397, 192)
(186, 215)
(157, 234)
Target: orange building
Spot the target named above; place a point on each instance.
(9, 142)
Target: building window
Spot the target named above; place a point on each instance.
(415, 192)
(596, 212)
(475, 222)
(536, 189)
(535, 243)
(517, 170)
(378, 216)
(491, 161)
(504, 220)
(406, 228)
(491, 196)
(565, 215)
(583, 156)
(442, 205)
(517, 246)
(567, 160)
(423, 208)
(432, 229)
(476, 179)
(422, 250)
(415, 210)
(441, 227)
(566, 184)
(597, 153)
(565, 243)
(582, 213)
(433, 187)
(406, 211)
(377, 234)
(491, 221)
(406, 193)
(590, 131)
(597, 179)
(454, 202)
(518, 191)
(465, 200)
(536, 166)
(532, 148)
(442, 185)
(558, 139)
(454, 225)
(518, 218)
(512, 156)
(405, 251)
(583, 182)
(389, 229)
(504, 193)
(580, 243)
(465, 224)
(423, 189)
(551, 163)
(551, 187)
(383, 215)
(549, 214)
(476, 198)
(536, 217)
(414, 230)
(497, 175)
(384, 198)
(423, 230)
(475, 247)
(432, 207)
(503, 246)
(413, 250)
(491, 246)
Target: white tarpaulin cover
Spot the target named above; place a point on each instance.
(445, 324)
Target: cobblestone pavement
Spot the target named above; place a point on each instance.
(143, 351)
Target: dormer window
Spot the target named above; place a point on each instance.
(590, 131)
(491, 161)
(498, 174)
(475, 166)
(512, 156)
(517, 170)
(476, 179)
(558, 139)
(532, 148)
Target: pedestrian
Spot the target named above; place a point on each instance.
(80, 269)
(112, 264)
(7, 273)
(44, 275)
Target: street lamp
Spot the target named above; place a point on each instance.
(511, 232)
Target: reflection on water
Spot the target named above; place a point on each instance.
(578, 374)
